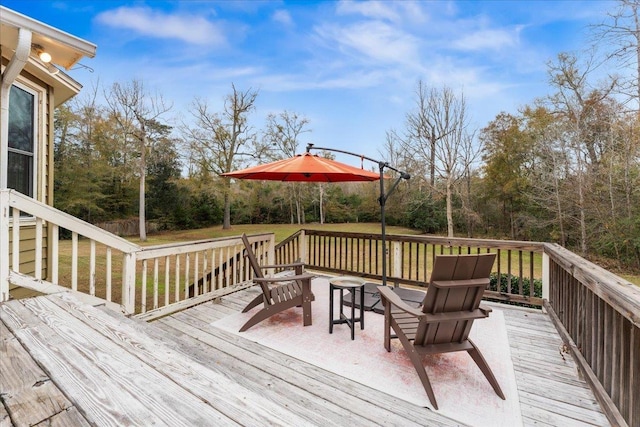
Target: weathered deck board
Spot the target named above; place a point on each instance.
(28, 394)
(551, 391)
(112, 387)
(5, 421)
(180, 371)
(237, 403)
(349, 398)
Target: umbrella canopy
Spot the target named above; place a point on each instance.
(305, 168)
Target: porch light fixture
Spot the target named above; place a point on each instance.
(42, 54)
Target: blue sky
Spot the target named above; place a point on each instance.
(351, 68)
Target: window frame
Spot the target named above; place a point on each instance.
(39, 143)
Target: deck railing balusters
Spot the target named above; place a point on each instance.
(74, 261)
(39, 244)
(155, 283)
(92, 268)
(55, 254)
(167, 283)
(599, 318)
(143, 290)
(177, 278)
(108, 275)
(409, 259)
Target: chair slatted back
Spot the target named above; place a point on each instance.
(458, 296)
(255, 266)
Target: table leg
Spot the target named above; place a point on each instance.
(353, 312)
(362, 307)
(331, 309)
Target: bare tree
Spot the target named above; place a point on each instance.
(577, 103)
(135, 109)
(425, 124)
(620, 35)
(438, 135)
(282, 137)
(218, 140)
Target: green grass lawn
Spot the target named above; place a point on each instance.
(281, 231)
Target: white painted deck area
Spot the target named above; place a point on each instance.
(66, 363)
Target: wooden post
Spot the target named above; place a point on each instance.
(545, 275)
(271, 252)
(302, 247)
(4, 245)
(38, 260)
(397, 259)
(129, 283)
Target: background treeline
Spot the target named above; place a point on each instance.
(564, 168)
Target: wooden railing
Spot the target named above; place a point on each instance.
(518, 272)
(30, 243)
(176, 276)
(598, 315)
(147, 281)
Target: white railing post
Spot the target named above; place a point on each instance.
(397, 259)
(38, 260)
(129, 283)
(4, 245)
(545, 276)
(271, 252)
(302, 247)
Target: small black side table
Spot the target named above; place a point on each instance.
(351, 284)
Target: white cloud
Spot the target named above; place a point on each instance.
(291, 82)
(146, 21)
(491, 39)
(283, 17)
(374, 40)
(370, 9)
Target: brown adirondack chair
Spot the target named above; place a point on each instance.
(278, 293)
(443, 323)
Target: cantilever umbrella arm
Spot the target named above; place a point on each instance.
(382, 199)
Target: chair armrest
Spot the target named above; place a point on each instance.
(486, 310)
(460, 283)
(387, 294)
(293, 264)
(304, 276)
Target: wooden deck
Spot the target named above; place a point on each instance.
(66, 363)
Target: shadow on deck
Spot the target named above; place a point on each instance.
(65, 362)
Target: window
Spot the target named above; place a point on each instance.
(22, 142)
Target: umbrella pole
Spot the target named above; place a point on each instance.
(382, 200)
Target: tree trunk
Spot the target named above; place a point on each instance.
(432, 167)
(449, 208)
(563, 241)
(143, 173)
(581, 207)
(321, 203)
(226, 222)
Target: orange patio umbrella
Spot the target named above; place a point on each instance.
(305, 168)
(312, 168)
